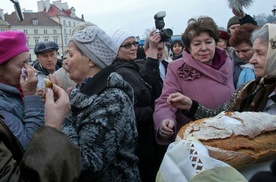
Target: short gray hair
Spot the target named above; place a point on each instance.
(260, 33)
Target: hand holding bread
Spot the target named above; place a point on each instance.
(56, 99)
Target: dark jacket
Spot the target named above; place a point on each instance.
(38, 67)
(157, 87)
(159, 150)
(142, 78)
(50, 157)
(176, 56)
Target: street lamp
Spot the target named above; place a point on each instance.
(274, 10)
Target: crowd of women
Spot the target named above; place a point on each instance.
(110, 126)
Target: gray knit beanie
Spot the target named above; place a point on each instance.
(96, 45)
(232, 21)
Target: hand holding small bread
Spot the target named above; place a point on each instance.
(56, 100)
(47, 84)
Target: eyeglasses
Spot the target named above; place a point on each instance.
(129, 45)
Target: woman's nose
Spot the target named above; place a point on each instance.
(203, 46)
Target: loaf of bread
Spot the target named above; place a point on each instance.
(237, 138)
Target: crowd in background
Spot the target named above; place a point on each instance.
(115, 107)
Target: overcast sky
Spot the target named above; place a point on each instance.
(137, 15)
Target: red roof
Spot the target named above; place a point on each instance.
(55, 11)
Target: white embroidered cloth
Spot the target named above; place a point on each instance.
(189, 160)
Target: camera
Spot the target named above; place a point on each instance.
(165, 34)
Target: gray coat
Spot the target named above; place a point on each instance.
(102, 124)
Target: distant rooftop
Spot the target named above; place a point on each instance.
(41, 19)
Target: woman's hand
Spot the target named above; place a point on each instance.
(55, 80)
(57, 106)
(154, 39)
(28, 84)
(166, 129)
(179, 101)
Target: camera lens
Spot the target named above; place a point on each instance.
(166, 35)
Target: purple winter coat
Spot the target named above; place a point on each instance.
(208, 86)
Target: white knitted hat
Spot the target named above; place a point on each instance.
(120, 35)
(96, 45)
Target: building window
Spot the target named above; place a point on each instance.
(69, 24)
(55, 31)
(35, 31)
(27, 41)
(36, 41)
(45, 39)
(64, 22)
(65, 32)
(66, 41)
(26, 31)
(56, 41)
(35, 21)
(45, 31)
(70, 31)
(74, 24)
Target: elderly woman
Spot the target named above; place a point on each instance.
(21, 107)
(102, 120)
(142, 79)
(204, 73)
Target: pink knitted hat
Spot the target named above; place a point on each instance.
(12, 43)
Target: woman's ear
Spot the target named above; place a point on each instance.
(91, 64)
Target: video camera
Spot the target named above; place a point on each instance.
(165, 34)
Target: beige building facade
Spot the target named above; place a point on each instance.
(52, 22)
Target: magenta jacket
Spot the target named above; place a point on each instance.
(208, 86)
